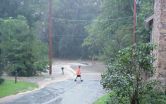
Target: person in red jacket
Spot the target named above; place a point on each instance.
(78, 73)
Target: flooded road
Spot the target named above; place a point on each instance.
(67, 91)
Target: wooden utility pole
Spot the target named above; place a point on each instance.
(50, 35)
(134, 99)
(134, 23)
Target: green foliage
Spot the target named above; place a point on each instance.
(103, 99)
(128, 72)
(20, 48)
(31, 9)
(113, 28)
(152, 93)
(70, 18)
(145, 10)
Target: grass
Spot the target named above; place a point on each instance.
(102, 100)
(9, 87)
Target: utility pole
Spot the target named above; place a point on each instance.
(134, 23)
(134, 99)
(50, 35)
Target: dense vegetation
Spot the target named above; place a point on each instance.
(128, 67)
(127, 77)
(82, 28)
(21, 49)
(70, 18)
(113, 28)
(24, 32)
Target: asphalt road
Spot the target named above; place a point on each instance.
(65, 92)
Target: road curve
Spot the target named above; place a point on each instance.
(65, 92)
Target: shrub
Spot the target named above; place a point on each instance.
(127, 76)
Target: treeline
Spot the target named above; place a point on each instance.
(112, 30)
(24, 32)
(70, 18)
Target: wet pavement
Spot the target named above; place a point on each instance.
(66, 92)
(63, 89)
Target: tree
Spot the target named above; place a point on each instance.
(112, 29)
(127, 76)
(31, 9)
(35, 12)
(69, 20)
(20, 48)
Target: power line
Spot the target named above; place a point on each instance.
(83, 20)
(64, 35)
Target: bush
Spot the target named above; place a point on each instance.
(127, 77)
(103, 100)
(150, 94)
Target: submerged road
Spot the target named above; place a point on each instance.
(65, 92)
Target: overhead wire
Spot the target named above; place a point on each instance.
(80, 37)
(95, 20)
(92, 20)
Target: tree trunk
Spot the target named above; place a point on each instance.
(134, 99)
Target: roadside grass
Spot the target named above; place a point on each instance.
(9, 87)
(103, 99)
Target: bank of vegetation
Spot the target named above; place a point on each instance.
(129, 67)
